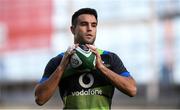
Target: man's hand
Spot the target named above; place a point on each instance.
(125, 84)
(66, 58)
(45, 90)
(99, 61)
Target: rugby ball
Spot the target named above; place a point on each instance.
(83, 58)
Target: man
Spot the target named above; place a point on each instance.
(85, 90)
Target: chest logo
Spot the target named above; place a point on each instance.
(86, 80)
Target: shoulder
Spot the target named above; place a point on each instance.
(52, 65)
(107, 53)
(109, 56)
(56, 59)
(59, 56)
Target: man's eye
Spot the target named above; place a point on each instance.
(94, 25)
(83, 24)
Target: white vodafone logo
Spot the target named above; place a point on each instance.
(91, 78)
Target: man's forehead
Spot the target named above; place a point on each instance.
(87, 17)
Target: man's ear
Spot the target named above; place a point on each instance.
(72, 29)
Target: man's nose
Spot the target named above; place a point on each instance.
(89, 27)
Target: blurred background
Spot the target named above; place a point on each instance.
(144, 33)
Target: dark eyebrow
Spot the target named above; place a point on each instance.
(87, 22)
(94, 23)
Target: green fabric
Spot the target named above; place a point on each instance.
(87, 102)
(90, 102)
(107, 90)
(69, 71)
(100, 51)
(95, 98)
(87, 62)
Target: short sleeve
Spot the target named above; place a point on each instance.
(50, 68)
(118, 66)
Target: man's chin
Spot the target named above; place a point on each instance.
(91, 43)
(88, 42)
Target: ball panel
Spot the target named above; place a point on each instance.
(83, 59)
(75, 61)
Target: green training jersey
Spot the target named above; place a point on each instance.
(87, 89)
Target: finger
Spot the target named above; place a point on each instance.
(92, 47)
(76, 45)
(72, 52)
(70, 49)
(87, 45)
(73, 47)
(95, 52)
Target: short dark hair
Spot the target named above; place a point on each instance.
(83, 11)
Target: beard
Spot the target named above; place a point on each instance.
(89, 41)
(85, 40)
